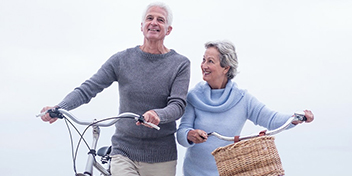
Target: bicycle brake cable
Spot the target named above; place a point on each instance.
(74, 153)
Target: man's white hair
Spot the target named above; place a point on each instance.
(163, 6)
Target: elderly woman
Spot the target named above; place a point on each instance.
(219, 105)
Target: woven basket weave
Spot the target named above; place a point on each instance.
(253, 157)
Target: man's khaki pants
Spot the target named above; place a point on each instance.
(123, 166)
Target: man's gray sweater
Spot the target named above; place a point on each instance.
(146, 81)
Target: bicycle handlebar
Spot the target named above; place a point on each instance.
(296, 117)
(61, 113)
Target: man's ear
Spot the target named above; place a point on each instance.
(169, 29)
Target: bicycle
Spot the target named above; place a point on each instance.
(254, 154)
(103, 152)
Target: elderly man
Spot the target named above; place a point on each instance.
(153, 80)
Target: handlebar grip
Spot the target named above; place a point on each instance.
(141, 120)
(152, 125)
(54, 113)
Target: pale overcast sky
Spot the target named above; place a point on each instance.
(293, 55)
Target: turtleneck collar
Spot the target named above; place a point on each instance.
(215, 100)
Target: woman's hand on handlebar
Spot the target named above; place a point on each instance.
(46, 117)
(197, 136)
(309, 116)
(150, 116)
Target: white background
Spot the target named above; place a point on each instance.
(293, 55)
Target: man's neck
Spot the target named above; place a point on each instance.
(154, 48)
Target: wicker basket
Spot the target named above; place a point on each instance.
(253, 157)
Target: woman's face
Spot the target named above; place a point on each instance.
(213, 73)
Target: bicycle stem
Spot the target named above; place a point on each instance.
(92, 152)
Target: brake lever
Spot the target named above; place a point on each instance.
(300, 116)
(53, 113)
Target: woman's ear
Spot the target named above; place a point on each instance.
(226, 69)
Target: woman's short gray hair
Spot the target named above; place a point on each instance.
(163, 6)
(227, 56)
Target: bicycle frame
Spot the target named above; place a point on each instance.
(91, 162)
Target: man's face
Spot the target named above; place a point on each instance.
(155, 26)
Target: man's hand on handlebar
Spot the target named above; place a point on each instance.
(151, 117)
(46, 117)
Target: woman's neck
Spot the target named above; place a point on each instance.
(218, 85)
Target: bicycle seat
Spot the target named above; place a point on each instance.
(103, 151)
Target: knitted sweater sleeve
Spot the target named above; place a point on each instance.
(261, 115)
(104, 77)
(176, 101)
(186, 125)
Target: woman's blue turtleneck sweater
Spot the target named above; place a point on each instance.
(224, 111)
